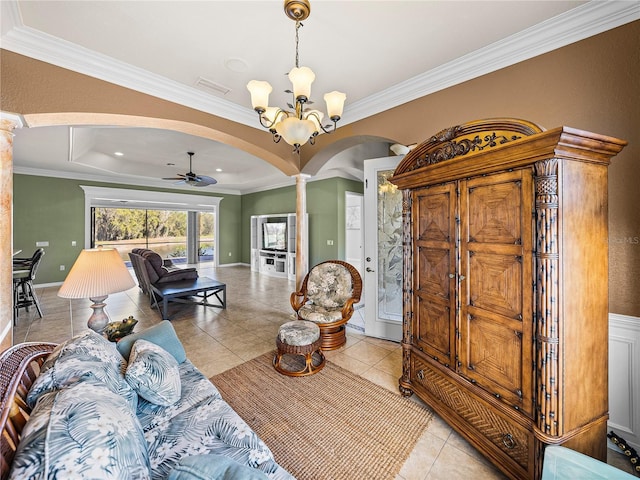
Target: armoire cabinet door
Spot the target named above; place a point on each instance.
(496, 310)
(434, 256)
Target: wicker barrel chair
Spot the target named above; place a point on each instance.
(327, 296)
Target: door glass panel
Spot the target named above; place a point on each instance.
(389, 248)
(206, 241)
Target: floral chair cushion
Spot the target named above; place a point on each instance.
(153, 373)
(82, 431)
(318, 314)
(329, 286)
(85, 356)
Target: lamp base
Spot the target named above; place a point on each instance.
(99, 318)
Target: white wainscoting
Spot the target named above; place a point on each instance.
(624, 377)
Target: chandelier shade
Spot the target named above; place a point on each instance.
(301, 79)
(259, 93)
(295, 131)
(335, 104)
(301, 125)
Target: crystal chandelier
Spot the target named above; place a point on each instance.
(298, 125)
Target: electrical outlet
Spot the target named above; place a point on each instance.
(73, 243)
(229, 253)
(62, 268)
(42, 244)
(329, 242)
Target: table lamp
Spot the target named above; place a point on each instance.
(97, 273)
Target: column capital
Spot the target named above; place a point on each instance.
(301, 177)
(10, 121)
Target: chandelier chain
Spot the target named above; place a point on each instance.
(298, 25)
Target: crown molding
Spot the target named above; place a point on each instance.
(41, 172)
(577, 24)
(289, 182)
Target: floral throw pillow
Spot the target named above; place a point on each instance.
(85, 356)
(153, 373)
(82, 431)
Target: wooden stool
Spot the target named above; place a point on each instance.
(299, 337)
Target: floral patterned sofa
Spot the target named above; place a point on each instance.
(138, 410)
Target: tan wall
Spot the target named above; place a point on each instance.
(592, 85)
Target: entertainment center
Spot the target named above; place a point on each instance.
(273, 244)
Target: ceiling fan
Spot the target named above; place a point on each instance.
(191, 178)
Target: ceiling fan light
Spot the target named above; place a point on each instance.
(301, 79)
(295, 131)
(260, 91)
(335, 104)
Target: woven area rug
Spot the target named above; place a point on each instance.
(332, 425)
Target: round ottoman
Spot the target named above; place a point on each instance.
(299, 338)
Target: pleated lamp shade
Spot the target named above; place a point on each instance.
(97, 273)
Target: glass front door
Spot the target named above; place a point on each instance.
(383, 250)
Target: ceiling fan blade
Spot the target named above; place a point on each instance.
(179, 176)
(191, 178)
(204, 180)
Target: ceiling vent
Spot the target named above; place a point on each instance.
(211, 86)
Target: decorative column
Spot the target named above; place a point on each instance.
(407, 293)
(8, 122)
(547, 319)
(302, 242)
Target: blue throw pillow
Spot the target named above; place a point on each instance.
(162, 334)
(213, 467)
(153, 373)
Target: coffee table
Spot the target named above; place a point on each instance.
(195, 291)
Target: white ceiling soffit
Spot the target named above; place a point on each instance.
(576, 24)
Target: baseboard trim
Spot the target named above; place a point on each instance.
(624, 379)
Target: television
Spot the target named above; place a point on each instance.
(274, 236)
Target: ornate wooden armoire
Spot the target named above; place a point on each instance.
(505, 286)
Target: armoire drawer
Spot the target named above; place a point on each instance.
(508, 436)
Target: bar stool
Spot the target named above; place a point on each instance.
(24, 273)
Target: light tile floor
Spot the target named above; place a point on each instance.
(216, 340)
